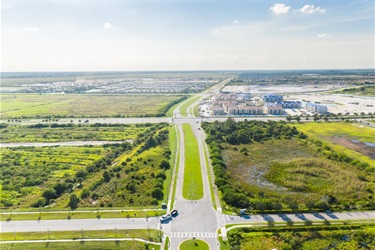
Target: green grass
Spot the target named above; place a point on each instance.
(135, 245)
(71, 215)
(361, 90)
(68, 105)
(147, 234)
(272, 172)
(34, 169)
(194, 244)
(166, 244)
(342, 237)
(184, 107)
(193, 186)
(210, 179)
(177, 162)
(84, 132)
(339, 136)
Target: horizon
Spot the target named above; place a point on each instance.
(91, 36)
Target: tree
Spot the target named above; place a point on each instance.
(81, 174)
(106, 176)
(49, 193)
(73, 201)
(164, 164)
(154, 202)
(298, 118)
(85, 193)
(157, 193)
(69, 186)
(288, 118)
(60, 188)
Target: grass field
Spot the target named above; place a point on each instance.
(84, 132)
(71, 215)
(194, 244)
(273, 167)
(349, 138)
(71, 105)
(193, 186)
(341, 237)
(81, 245)
(362, 90)
(150, 234)
(100, 176)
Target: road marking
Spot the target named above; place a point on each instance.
(193, 234)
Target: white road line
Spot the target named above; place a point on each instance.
(193, 234)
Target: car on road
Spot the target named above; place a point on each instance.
(165, 218)
(174, 213)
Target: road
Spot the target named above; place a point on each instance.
(196, 218)
(80, 224)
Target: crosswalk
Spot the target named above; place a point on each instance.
(220, 218)
(193, 234)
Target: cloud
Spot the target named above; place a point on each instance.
(310, 9)
(323, 35)
(108, 26)
(235, 21)
(279, 8)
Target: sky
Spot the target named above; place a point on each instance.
(98, 35)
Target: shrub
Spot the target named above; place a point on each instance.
(157, 193)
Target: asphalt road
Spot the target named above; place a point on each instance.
(79, 224)
(196, 218)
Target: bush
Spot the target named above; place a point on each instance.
(73, 201)
(40, 202)
(157, 193)
(164, 164)
(85, 193)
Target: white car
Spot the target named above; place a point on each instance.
(165, 218)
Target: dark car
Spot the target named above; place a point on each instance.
(174, 212)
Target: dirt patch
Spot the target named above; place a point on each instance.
(360, 147)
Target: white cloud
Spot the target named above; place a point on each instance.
(108, 26)
(279, 8)
(235, 21)
(310, 9)
(323, 35)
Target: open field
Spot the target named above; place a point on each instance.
(43, 214)
(58, 133)
(308, 237)
(272, 173)
(119, 244)
(361, 90)
(353, 139)
(64, 105)
(150, 234)
(105, 176)
(193, 186)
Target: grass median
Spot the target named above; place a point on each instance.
(193, 186)
(184, 107)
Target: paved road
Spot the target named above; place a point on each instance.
(84, 224)
(196, 218)
(365, 215)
